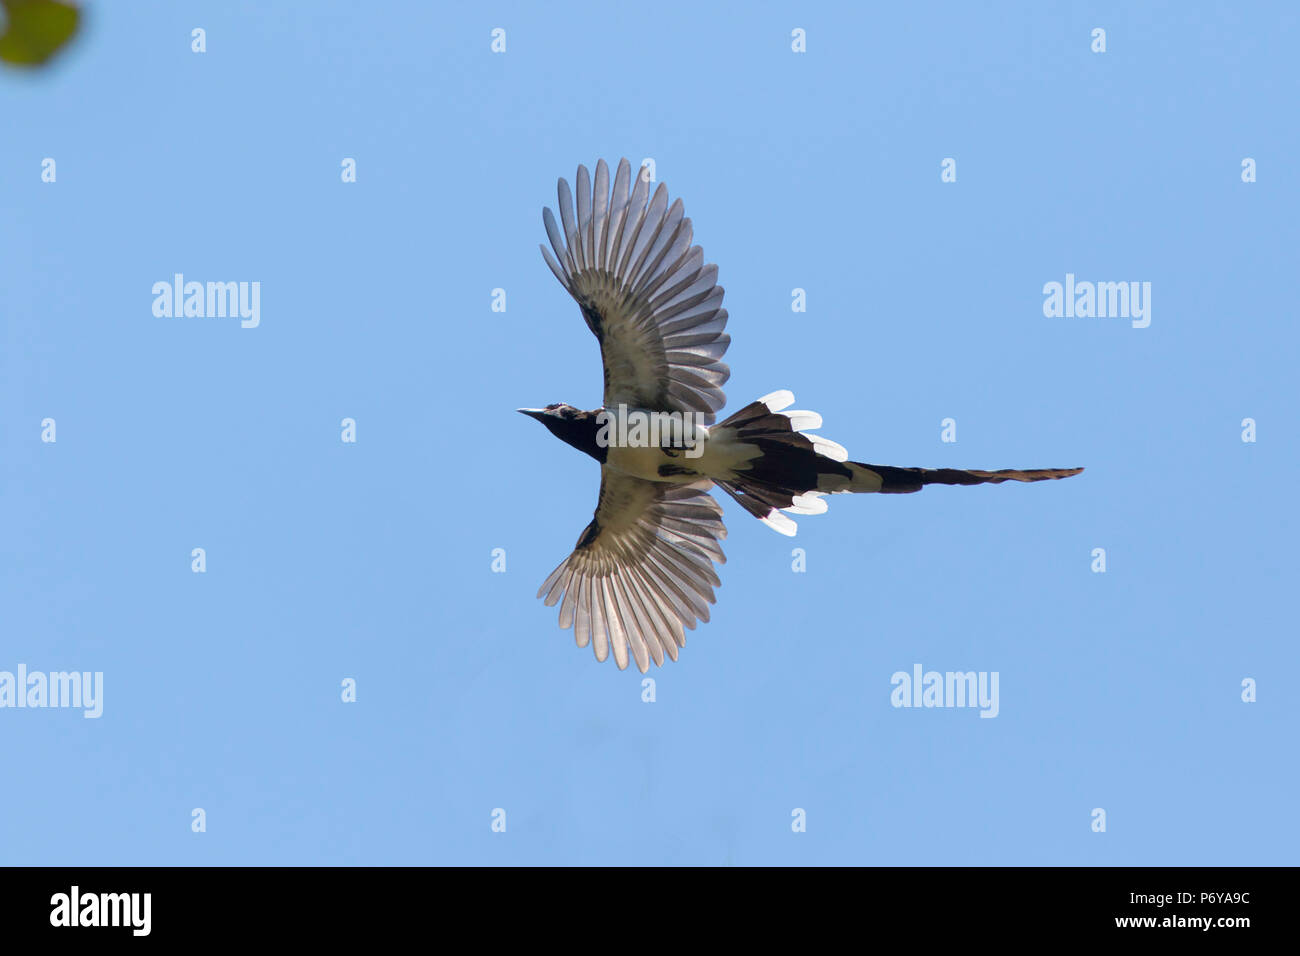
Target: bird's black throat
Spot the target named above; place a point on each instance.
(578, 431)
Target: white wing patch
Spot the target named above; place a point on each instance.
(809, 503)
(781, 398)
(780, 523)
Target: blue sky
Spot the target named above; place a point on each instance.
(372, 561)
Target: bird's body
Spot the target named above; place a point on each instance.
(657, 460)
(654, 463)
(642, 570)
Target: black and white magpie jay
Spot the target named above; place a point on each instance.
(642, 571)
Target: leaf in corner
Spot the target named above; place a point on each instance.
(34, 30)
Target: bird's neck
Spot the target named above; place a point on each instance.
(581, 434)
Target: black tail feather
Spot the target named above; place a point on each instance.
(789, 465)
(901, 481)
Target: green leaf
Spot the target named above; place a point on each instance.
(34, 30)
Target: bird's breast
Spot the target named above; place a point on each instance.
(654, 464)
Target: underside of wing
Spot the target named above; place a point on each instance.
(645, 291)
(642, 572)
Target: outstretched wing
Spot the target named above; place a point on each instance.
(642, 570)
(644, 290)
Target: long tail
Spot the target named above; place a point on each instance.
(901, 481)
(779, 467)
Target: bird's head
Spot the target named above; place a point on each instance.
(552, 414)
(571, 425)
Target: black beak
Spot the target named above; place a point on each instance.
(537, 413)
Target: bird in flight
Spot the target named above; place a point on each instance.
(642, 572)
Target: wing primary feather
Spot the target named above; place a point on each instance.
(583, 185)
